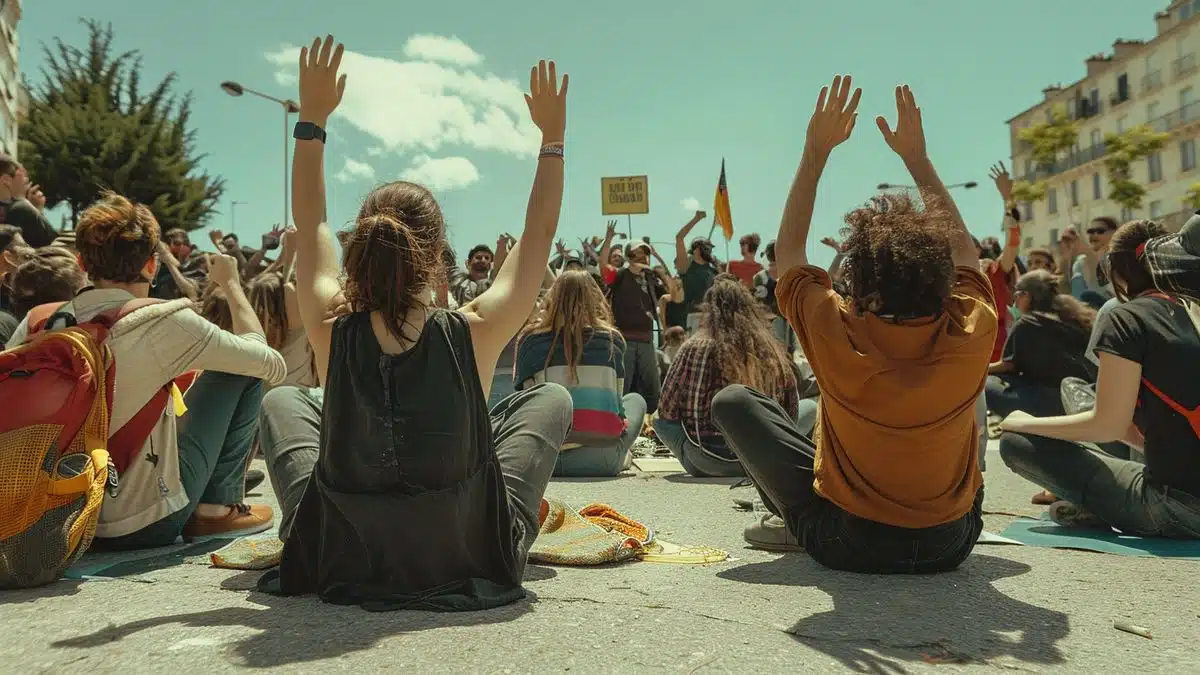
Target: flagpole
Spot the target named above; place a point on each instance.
(629, 222)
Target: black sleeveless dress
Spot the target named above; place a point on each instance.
(406, 508)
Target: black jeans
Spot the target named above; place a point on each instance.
(780, 460)
(1007, 393)
(641, 372)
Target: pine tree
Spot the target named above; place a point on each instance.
(91, 126)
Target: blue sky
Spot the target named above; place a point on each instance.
(656, 89)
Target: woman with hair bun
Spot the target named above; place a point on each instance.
(1147, 396)
(403, 491)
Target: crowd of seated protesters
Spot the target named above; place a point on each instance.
(734, 345)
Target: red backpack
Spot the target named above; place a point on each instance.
(126, 442)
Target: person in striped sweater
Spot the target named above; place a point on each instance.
(572, 341)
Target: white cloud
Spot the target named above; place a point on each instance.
(375, 151)
(443, 173)
(355, 170)
(690, 204)
(443, 49)
(420, 106)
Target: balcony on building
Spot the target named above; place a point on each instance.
(1152, 82)
(1184, 66)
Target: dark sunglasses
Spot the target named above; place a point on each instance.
(1097, 231)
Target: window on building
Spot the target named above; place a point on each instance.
(1123, 87)
(1187, 155)
(1154, 166)
(1126, 214)
(1026, 211)
(1052, 200)
(1121, 121)
(1185, 12)
(1186, 96)
(1097, 192)
(1053, 237)
(1152, 112)
(1097, 137)
(1156, 209)
(1028, 167)
(1075, 192)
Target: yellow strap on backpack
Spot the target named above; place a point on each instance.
(177, 400)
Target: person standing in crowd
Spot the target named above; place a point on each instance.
(187, 476)
(397, 496)
(1147, 396)
(697, 268)
(482, 266)
(17, 207)
(1001, 269)
(634, 292)
(734, 345)
(892, 483)
(748, 266)
(573, 341)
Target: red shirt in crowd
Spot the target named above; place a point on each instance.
(1003, 294)
(745, 271)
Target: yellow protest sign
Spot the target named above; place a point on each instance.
(624, 195)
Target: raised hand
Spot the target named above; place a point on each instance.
(222, 269)
(699, 216)
(908, 140)
(1004, 182)
(547, 101)
(611, 230)
(272, 239)
(833, 120)
(560, 247)
(288, 239)
(217, 237)
(36, 197)
(321, 89)
(833, 244)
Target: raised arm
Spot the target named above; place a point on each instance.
(317, 284)
(499, 312)
(683, 259)
(185, 285)
(1011, 224)
(908, 141)
(831, 124)
(609, 232)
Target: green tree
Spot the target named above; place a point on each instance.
(1047, 141)
(91, 126)
(1121, 151)
(1192, 197)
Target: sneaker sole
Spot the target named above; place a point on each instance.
(775, 548)
(232, 534)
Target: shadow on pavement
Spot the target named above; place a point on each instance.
(878, 622)
(60, 588)
(300, 629)
(690, 479)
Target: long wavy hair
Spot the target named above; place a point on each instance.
(747, 351)
(266, 296)
(1042, 288)
(573, 311)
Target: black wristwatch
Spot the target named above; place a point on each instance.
(307, 131)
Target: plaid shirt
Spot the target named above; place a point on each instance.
(692, 382)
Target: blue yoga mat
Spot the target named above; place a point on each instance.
(1046, 534)
(113, 564)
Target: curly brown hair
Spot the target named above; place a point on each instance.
(116, 239)
(746, 349)
(394, 253)
(898, 257)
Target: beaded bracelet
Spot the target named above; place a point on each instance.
(552, 150)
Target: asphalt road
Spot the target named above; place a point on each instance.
(1019, 608)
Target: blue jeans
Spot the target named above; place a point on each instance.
(215, 437)
(707, 462)
(607, 460)
(1008, 393)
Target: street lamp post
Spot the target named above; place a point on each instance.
(888, 186)
(233, 216)
(290, 107)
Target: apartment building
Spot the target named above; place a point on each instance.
(12, 93)
(1154, 82)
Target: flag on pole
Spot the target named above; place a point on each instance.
(721, 214)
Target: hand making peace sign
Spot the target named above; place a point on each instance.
(321, 89)
(834, 118)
